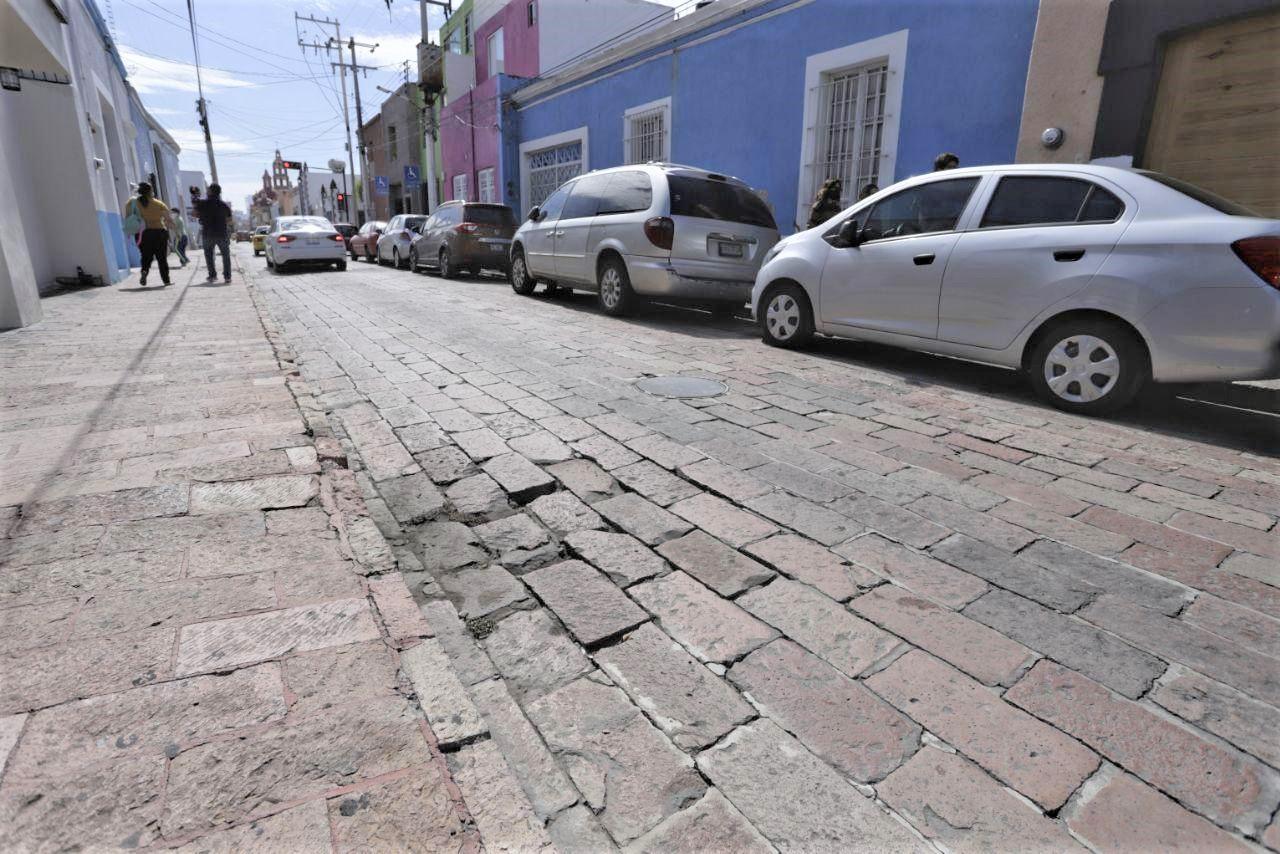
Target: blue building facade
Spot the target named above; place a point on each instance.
(785, 94)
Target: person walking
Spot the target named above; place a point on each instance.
(827, 203)
(180, 235)
(153, 239)
(215, 220)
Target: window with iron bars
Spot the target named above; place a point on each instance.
(486, 187)
(850, 128)
(551, 167)
(648, 135)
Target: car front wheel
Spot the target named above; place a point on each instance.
(787, 319)
(521, 282)
(1088, 366)
(447, 270)
(615, 294)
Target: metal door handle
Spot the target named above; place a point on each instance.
(1068, 255)
(730, 238)
(923, 260)
(558, 233)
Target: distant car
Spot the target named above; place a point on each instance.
(305, 241)
(657, 230)
(364, 243)
(260, 239)
(242, 236)
(347, 230)
(393, 245)
(1093, 280)
(464, 236)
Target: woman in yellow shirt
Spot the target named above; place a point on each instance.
(153, 241)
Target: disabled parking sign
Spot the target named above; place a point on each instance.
(381, 186)
(411, 178)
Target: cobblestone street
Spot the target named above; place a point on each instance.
(861, 600)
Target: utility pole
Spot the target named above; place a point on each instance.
(366, 197)
(202, 107)
(342, 68)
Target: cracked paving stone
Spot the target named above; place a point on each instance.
(721, 568)
(447, 545)
(585, 479)
(806, 561)
(712, 628)
(642, 519)
(481, 591)
(564, 513)
(412, 498)
(534, 654)
(454, 719)
(712, 824)
(477, 498)
(622, 557)
(589, 605)
(502, 814)
(522, 480)
(265, 493)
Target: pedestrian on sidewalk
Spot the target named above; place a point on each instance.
(215, 219)
(827, 203)
(153, 239)
(180, 233)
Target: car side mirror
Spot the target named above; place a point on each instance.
(535, 213)
(850, 234)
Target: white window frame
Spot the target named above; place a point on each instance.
(461, 187)
(630, 146)
(890, 50)
(495, 38)
(533, 146)
(487, 185)
(531, 14)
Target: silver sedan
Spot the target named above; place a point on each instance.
(304, 240)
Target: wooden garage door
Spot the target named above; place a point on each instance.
(1217, 115)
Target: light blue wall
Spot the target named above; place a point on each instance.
(738, 100)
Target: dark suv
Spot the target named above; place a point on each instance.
(464, 236)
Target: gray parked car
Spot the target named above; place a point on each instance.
(464, 236)
(658, 230)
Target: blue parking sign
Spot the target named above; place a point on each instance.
(381, 186)
(411, 179)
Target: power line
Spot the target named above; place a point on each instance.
(201, 105)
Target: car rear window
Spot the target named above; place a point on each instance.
(490, 215)
(1200, 194)
(413, 221)
(627, 192)
(717, 199)
(1046, 200)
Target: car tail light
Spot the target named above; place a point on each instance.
(338, 237)
(661, 231)
(468, 227)
(285, 238)
(1262, 256)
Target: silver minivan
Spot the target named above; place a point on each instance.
(656, 230)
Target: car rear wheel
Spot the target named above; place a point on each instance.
(341, 265)
(615, 295)
(395, 258)
(447, 270)
(413, 259)
(1089, 366)
(787, 318)
(521, 282)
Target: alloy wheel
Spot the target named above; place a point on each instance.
(783, 316)
(1081, 368)
(610, 288)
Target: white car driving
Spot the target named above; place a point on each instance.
(1092, 279)
(296, 241)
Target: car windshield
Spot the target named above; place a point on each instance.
(710, 198)
(413, 221)
(1200, 194)
(490, 215)
(262, 229)
(305, 222)
(344, 228)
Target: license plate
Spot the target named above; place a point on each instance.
(313, 241)
(495, 241)
(730, 250)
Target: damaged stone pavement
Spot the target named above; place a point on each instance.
(380, 563)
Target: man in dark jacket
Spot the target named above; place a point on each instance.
(215, 226)
(827, 203)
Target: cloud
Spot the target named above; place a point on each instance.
(393, 49)
(191, 140)
(151, 75)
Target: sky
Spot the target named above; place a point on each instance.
(263, 92)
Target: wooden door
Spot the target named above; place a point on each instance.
(1217, 115)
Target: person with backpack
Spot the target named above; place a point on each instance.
(149, 219)
(215, 220)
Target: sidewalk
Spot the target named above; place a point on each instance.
(198, 643)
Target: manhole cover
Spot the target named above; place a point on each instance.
(682, 386)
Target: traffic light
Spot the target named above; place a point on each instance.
(342, 198)
(290, 164)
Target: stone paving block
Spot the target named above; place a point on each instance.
(454, 719)
(1235, 623)
(1116, 578)
(980, 526)
(642, 519)
(800, 482)
(445, 465)
(617, 427)
(481, 444)
(311, 521)
(719, 567)
(1252, 566)
(1071, 641)
(564, 513)
(501, 811)
(469, 662)
(1027, 755)
(10, 728)
(402, 814)
(478, 591)
(664, 452)
(304, 827)
(368, 547)
(1245, 722)
(621, 557)
(654, 482)
(541, 447)
(837, 718)
(1218, 782)
(388, 461)
(65, 579)
(711, 824)
(1069, 531)
(1205, 506)
(510, 424)
(918, 573)
(818, 523)
(1058, 591)
(36, 625)
(162, 533)
(447, 545)
(821, 625)
(806, 561)
(566, 428)
(412, 499)
(457, 420)
(607, 453)
(477, 498)
(421, 437)
(585, 479)
(733, 484)
(123, 505)
(512, 533)
(176, 603)
(766, 774)
(238, 641)
(712, 628)
(532, 407)
(627, 771)
(683, 698)
(534, 654)
(576, 831)
(589, 605)
(1175, 640)
(723, 520)
(983, 653)
(522, 480)
(545, 785)
(891, 520)
(400, 614)
(1117, 812)
(44, 677)
(362, 670)
(953, 803)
